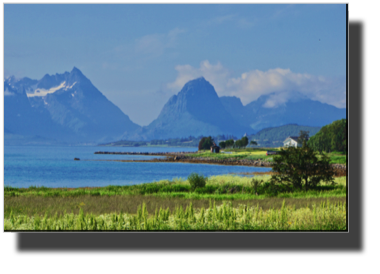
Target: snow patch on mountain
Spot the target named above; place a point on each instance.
(43, 92)
(70, 87)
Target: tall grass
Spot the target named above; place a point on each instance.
(326, 216)
(223, 187)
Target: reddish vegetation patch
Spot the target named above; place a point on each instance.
(340, 172)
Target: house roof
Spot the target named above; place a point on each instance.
(295, 138)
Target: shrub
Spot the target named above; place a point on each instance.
(255, 184)
(197, 180)
(297, 165)
(206, 190)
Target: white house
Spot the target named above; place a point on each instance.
(292, 141)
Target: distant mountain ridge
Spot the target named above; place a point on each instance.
(195, 110)
(78, 111)
(68, 108)
(297, 110)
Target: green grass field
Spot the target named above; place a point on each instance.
(325, 216)
(258, 154)
(61, 208)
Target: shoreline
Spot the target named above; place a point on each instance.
(181, 157)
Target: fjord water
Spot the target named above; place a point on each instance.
(49, 166)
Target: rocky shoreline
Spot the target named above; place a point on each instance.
(182, 157)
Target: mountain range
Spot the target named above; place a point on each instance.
(196, 110)
(66, 107)
(297, 110)
(69, 108)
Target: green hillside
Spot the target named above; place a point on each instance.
(275, 136)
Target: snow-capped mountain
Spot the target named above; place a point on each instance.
(74, 105)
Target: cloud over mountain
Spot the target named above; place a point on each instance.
(252, 84)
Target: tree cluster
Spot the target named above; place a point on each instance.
(243, 142)
(301, 167)
(227, 143)
(275, 136)
(206, 143)
(331, 137)
(253, 143)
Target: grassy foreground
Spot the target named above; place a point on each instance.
(326, 216)
(220, 187)
(228, 202)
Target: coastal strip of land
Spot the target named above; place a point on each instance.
(193, 158)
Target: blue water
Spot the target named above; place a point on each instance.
(49, 166)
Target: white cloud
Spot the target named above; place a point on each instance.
(215, 74)
(252, 84)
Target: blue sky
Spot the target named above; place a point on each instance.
(140, 55)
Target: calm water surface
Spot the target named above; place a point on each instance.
(49, 166)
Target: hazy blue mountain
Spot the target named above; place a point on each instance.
(19, 116)
(298, 110)
(235, 107)
(195, 110)
(79, 111)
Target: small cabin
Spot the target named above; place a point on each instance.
(214, 149)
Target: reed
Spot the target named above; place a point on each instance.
(325, 216)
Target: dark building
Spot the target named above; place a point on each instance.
(214, 149)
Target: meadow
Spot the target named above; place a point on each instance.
(258, 154)
(73, 209)
(326, 216)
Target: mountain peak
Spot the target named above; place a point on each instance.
(200, 79)
(197, 85)
(75, 70)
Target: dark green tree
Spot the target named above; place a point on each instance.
(331, 137)
(222, 144)
(196, 180)
(303, 137)
(229, 143)
(205, 143)
(300, 167)
(254, 143)
(238, 144)
(244, 141)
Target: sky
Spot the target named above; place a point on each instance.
(138, 56)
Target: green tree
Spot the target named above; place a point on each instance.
(196, 180)
(230, 143)
(303, 137)
(244, 141)
(254, 143)
(300, 167)
(205, 143)
(238, 144)
(222, 144)
(331, 137)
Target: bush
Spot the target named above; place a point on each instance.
(206, 190)
(255, 184)
(197, 180)
(300, 167)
